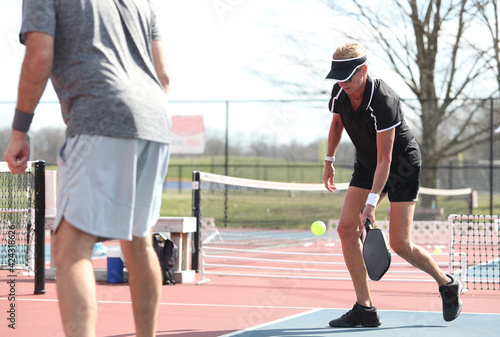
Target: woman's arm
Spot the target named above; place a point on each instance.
(385, 142)
(334, 136)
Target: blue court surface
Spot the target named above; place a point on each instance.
(314, 323)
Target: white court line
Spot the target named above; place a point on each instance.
(312, 309)
(270, 323)
(181, 304)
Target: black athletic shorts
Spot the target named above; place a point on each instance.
(403, 182)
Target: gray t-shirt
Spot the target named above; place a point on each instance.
(103, 70)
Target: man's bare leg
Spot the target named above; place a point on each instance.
(76, 289)
(145, 283)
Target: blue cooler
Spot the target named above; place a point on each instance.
(115, 266)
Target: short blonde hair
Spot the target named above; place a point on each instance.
(348, 51)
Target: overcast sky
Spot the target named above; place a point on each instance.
(212, 48)
(211, 45)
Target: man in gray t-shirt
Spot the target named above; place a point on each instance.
(106, 63)
(103, 71)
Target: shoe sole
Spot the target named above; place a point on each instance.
(369, 325)
(372, 325)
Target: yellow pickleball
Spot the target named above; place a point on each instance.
(318, 228)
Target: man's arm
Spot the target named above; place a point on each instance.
(35, 72)
(36, 69)
(160, 64)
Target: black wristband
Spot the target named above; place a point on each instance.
(22, 121)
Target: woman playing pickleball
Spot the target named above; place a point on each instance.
(388, 162)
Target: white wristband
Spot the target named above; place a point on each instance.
(328, 158)
(372, 199)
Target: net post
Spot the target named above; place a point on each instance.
(39, 227)
(196, 212)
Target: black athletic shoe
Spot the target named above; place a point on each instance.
(452, 304)
(357, 316)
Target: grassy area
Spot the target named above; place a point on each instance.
(178, 203)
(484, 204)
(175, 203)
(260, 168)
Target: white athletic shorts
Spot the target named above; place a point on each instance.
(111, 187)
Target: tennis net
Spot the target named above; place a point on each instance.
(475, 250)
(437, 204)
(22, 222)
(236, 213)
(245, 213)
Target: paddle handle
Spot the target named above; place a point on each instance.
(368, 225)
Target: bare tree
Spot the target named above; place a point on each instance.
(427, 44)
